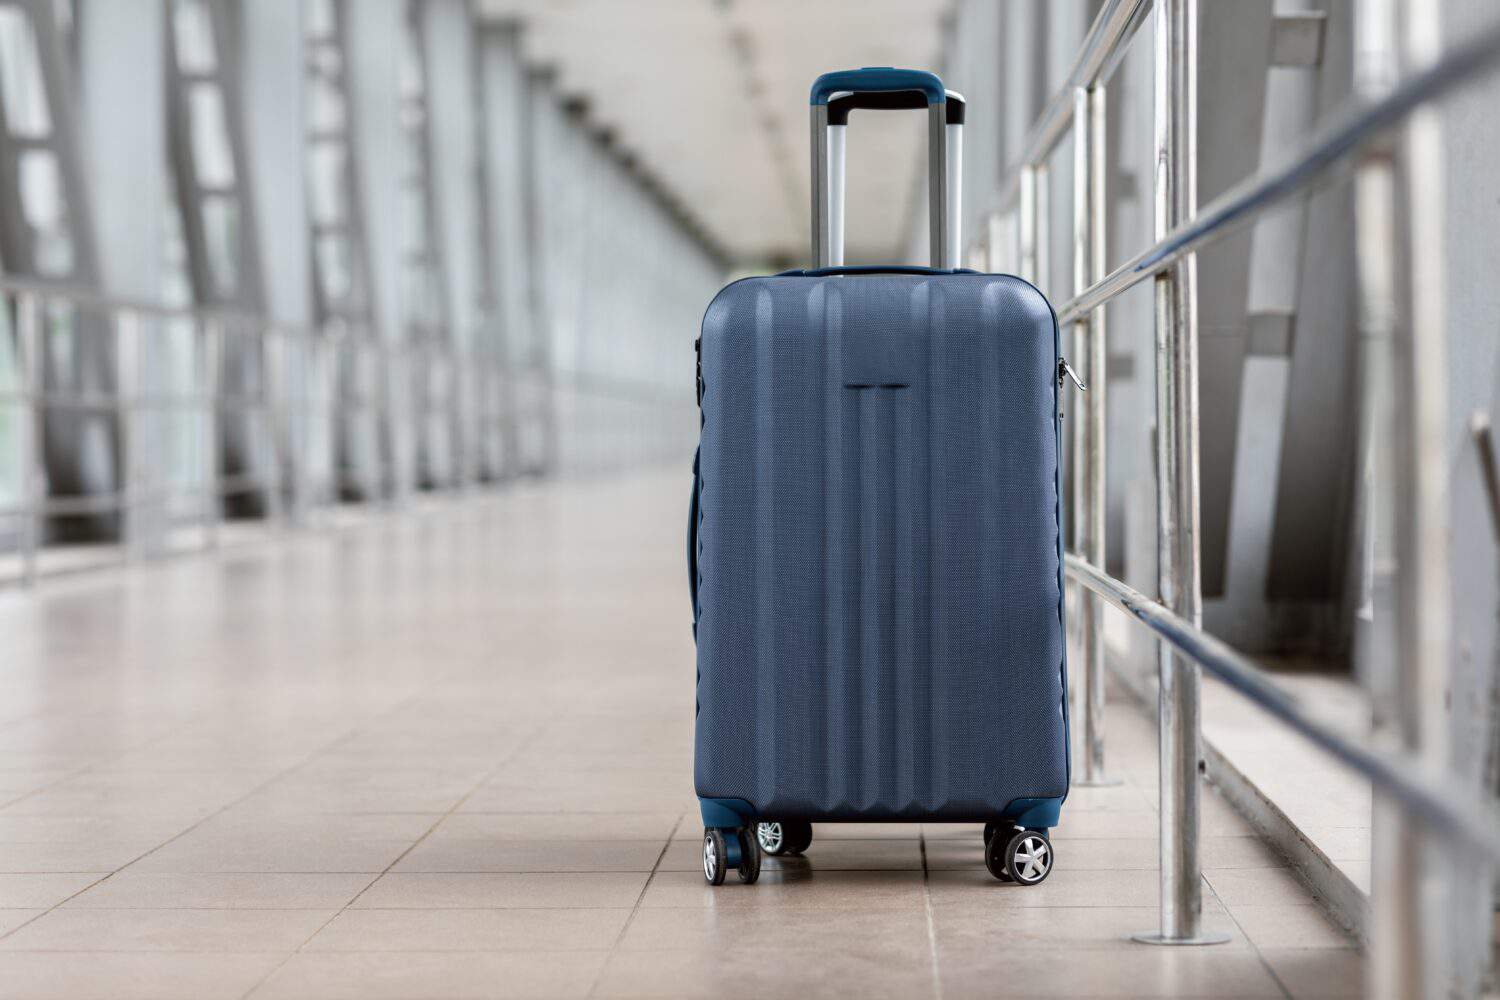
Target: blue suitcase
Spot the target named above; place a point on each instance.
(874, 537)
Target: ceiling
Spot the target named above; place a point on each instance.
(711, 98)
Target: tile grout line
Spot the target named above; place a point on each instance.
(1285, 992)
(504, 760)
(671, 836)
(937, 979)
(190, 828)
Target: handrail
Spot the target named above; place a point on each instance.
(91, 298)
(1439, 803)
(1099, 53)
(1321, 152)
(1416, 784)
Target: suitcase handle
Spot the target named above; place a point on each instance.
(877, 79)
(885, 88)
(891, 100)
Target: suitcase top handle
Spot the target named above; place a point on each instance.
(877, 80)
(833, 96)
(891, 100)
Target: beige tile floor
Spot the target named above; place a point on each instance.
(449, 756)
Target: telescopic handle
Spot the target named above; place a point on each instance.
(833, 96)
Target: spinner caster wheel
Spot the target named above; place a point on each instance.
(786, 837)
(714, 855)
(749, 855)
(1022, 856)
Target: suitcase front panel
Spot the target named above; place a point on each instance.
(880, 631)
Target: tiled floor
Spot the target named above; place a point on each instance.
(450, 757)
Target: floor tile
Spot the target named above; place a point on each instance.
(256, 854)
(68, 856)
(960, 931)
(438, 853)
(1260, 886)
(165, 890)
(765, 976)
(472, 930)
(560, 826)
(1137, 973)
(11, 919)
(168, 930)
(1290, 926)
(43, 890)
(790, 888)
(503, 890)
(432, 976)
(130, 975)
(1313, 973)
(888, 932)
(1064, 887)
(274, 729)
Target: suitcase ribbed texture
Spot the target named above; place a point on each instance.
(879, 632)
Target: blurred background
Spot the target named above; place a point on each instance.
(272, 265)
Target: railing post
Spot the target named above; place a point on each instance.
(1400, 211)
(272, 346)
(1178, 555)
(1027, 224)
(1088, 463)
(28, 433)
(211, 376)
(129, 389)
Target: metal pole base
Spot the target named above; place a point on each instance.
(1104, 782)
(1159, 938)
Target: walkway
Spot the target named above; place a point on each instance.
(450, 756)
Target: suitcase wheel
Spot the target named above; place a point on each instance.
(749, 855)
(723, 848)
(714, 856)
(1022, 856)
(784, 837)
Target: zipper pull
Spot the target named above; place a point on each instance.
(1065, 371)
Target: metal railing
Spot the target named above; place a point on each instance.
(309, 422)
(1409, 779)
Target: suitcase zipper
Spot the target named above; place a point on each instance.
(1065, 371)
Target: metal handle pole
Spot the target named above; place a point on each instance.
(1088, 464)
(1178, 556)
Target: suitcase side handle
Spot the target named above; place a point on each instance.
(833, 96)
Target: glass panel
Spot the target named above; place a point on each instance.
(41, 189)
(193, 31)
(334, 266)
(326, 183)
(25, 94)
(321, 18)
(221, 221)
(325, 105)
(213, 159)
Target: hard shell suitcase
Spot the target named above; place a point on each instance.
(874, 536)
